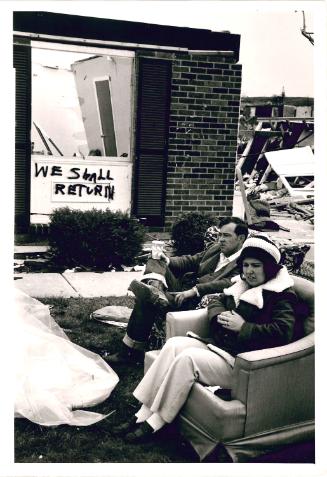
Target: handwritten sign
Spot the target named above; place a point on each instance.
(79, 184)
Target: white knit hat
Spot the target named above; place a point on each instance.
(263, 243)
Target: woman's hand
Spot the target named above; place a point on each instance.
(180, 297)
(230, 320)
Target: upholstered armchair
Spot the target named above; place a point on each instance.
(272, 396)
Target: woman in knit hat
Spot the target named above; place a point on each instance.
(256, 312)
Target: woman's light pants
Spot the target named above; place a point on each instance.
(181, 362)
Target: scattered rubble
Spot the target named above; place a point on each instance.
(43, 262)
(300, 209)
(275, 176)
(275, 172)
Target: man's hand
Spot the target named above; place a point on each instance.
(180, 297)
(230, 320)
(164, 257)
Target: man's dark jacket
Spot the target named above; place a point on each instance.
(203, 265)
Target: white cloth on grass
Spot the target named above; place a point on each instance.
(54, 376)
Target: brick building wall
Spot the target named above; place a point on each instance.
(198, 141)
(205, 104)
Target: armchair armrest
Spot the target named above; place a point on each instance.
(276, 385)
(179, 322)
(272, 356)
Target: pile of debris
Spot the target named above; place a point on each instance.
(275, 176)
(300, 209)
(275, 173)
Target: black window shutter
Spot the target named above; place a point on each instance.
(152, 140)
(22, 65)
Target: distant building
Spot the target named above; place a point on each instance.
(304, 112)
(289, 111)
(277, 106)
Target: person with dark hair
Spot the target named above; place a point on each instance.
(95, 152)
(263, 287)
(171, 283)
(265, 254)
(258, 311)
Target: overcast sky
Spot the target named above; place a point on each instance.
(274, 53)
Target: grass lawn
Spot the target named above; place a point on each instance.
(96, 444)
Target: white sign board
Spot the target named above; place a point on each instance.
(79, 184)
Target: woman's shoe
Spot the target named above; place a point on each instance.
(125, 428)
(142, 433)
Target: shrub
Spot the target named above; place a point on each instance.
(94, 238)
(188, 232)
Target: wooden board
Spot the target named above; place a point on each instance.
(290, 163)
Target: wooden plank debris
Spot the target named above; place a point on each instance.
(271, 169)
(294, 164)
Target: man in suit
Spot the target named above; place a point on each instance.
(172, 283)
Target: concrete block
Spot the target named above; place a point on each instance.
(28, 249)
(90, 285)
(40, 285)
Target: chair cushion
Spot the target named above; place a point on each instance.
(221, 419)
(149, 358)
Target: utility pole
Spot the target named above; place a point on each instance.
(308, 35)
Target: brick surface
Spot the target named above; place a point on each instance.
(205, 101)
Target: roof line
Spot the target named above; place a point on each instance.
(117, 44)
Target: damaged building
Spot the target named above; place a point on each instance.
(157, 106)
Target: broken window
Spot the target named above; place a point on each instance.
(81, 102)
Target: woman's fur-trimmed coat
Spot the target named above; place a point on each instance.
(271, 313)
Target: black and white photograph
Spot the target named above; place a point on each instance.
(163, 234)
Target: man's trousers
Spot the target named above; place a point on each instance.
(144, 314)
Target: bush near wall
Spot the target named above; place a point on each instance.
(94, 238)
(188, 232)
